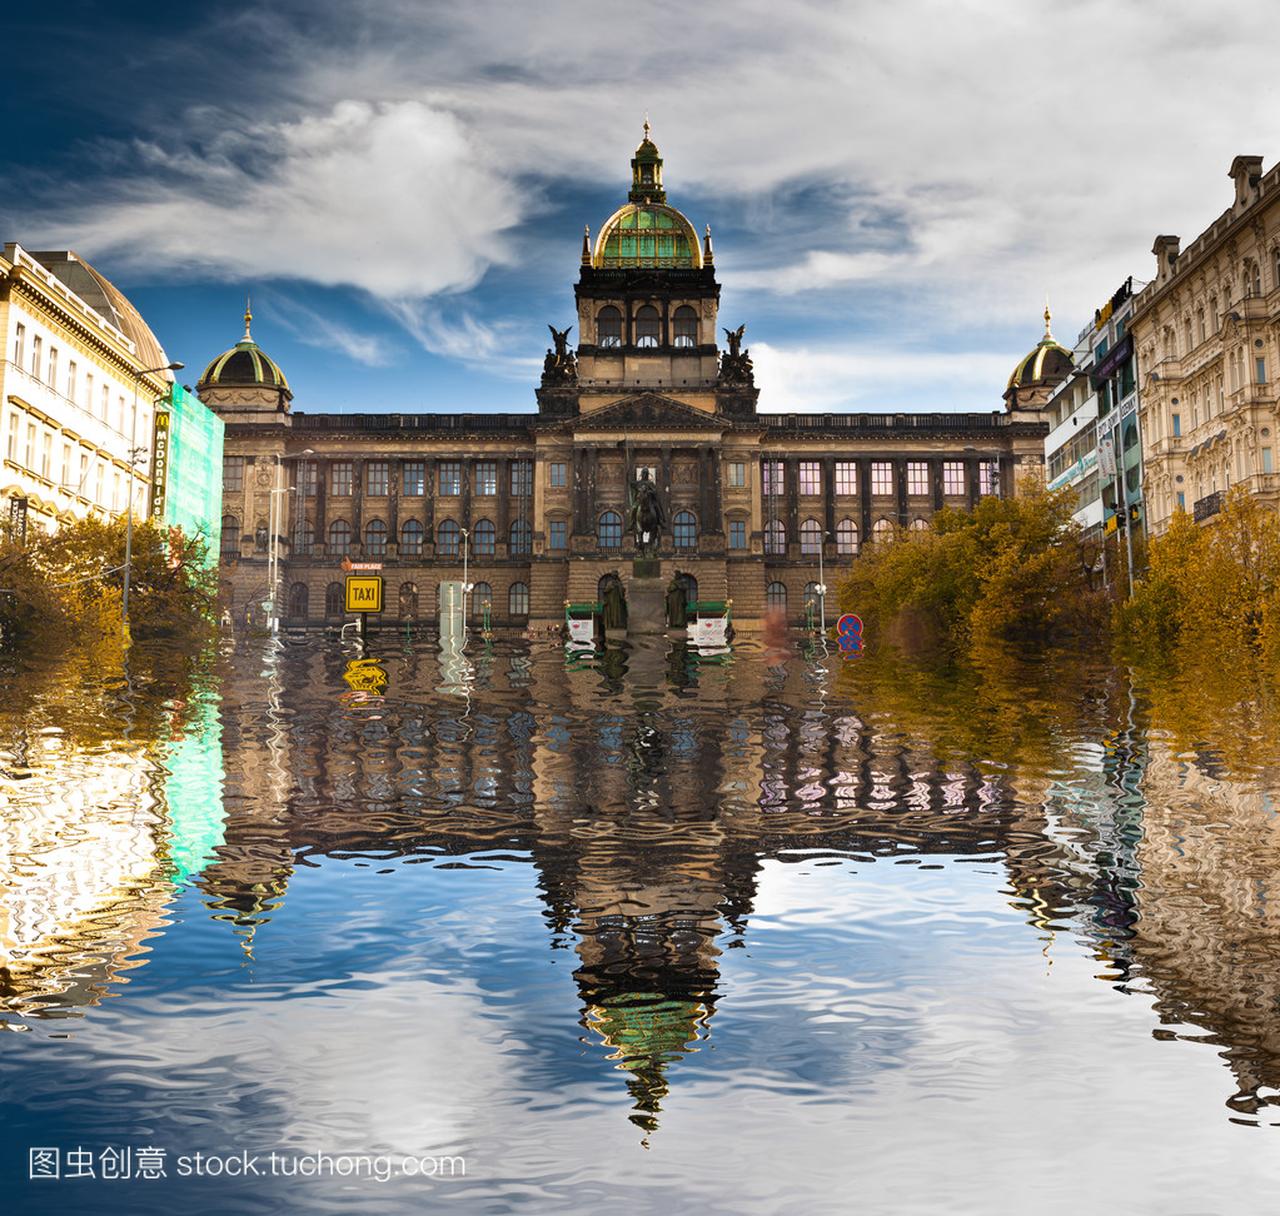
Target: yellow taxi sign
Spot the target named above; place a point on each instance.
(364, 593)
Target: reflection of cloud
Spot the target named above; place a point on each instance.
(803, 378)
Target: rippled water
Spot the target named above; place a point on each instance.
(641, 932)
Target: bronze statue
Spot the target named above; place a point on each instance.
(561, 339)
(561, 364)
(646, 517)
(735, 363)
(735, 340)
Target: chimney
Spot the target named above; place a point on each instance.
(1246, 172)
(1166, 251)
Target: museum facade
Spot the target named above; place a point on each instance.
(531, 508)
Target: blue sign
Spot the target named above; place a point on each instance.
(849, 633)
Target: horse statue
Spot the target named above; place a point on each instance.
(647, 518)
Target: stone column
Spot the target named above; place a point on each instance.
(429, 505)
(935, 482)
(971, 476)
(900, 483)
(864, 494)
(828, 499)
(322, 486)
(791, 481)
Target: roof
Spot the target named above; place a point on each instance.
(245, 365)
(96, 290)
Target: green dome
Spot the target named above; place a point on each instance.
(245, 365)
(647, 234)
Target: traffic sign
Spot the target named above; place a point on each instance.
(364, 593)
(849, 633)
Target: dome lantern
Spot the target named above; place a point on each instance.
(646, 172)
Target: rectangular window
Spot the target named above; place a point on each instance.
(1177, 424)
(71, 380)
(19, 344)
(774, 477)
(120, 414)
(15, 428)
(881, 477)
(846, 477)
(521, 478)
(106, 401)
(36, 343)
(52, 379)
(989, 477)
(1260, 370)
(557, 474)
(486, 483)
(953, 477)
(917, 477)
(64, 478)
(233, 473)
(340, 478)
(1267, 466)
(46, 456)
(737, 534)
(415, 478)
(29, 452)
(737, 474)
(1182, 501)
(558, 534)
(450, 483)
(810, 478)
(376, 478)
(88, 391)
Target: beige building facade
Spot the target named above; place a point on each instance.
(533, 506)
(1207, 334)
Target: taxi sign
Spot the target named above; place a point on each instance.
(364, 593)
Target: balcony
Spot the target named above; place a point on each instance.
(1210, 504)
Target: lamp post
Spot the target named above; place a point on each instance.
(822, 584)
(133, 457)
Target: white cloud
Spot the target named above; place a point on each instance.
(799, 379)
(326, 332)
(396, 198)
(458, 334)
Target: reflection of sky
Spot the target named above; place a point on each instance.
(887, 1037)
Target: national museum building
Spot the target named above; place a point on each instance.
(537, 501)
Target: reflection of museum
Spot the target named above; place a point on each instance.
(538, 500)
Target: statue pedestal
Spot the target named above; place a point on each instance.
(646, 598)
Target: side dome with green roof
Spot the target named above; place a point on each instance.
(245, 365)
(1042, 368)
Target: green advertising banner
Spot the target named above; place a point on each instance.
(186, 468)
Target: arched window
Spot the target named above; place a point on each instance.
(521, 538)
(690, 585)
(775, 596)
(408, 606)
(775, 538)
(648, 326)
(609, 530)
(484, 538)
(481, 594)
(609, 327)
(375, 537)
(333, 601)
(810, 538)
(339, 537)
(230, 536)
(882, 530)
(447, 539)
(518, 600)
(684, 530)
(411, 538)
(1252, 278)
(846, 537)
(298, 598)
(685, 327)
(919, 524)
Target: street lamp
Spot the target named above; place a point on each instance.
(133, 457)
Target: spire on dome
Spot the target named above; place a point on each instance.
(1048, 336)
(646, 172)
(248, 317)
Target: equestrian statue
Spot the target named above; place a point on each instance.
(646, 517)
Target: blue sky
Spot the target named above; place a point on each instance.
(893, 189)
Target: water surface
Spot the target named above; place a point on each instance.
(641, 931)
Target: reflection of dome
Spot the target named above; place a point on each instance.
(245, 365)
(645, 231)
(647, 1031)
(1047, 363)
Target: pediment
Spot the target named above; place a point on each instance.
(647, 412)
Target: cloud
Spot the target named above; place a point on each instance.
(799, 379)
(327, 333)
(394, 198)
(458, 334)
